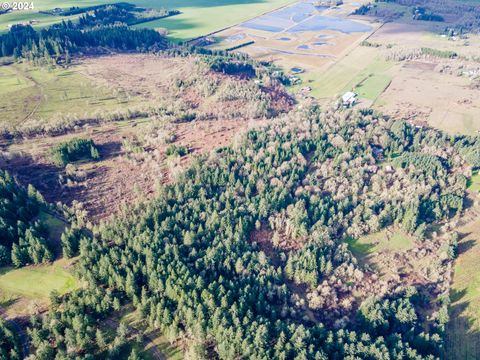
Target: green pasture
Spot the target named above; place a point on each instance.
(363, 71)
(198, 17)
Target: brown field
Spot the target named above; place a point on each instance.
(133, 152)
(427, 89)
(268, 47)
(423, 95)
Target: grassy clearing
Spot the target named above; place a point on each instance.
(36, 281)
(28, 93)
(463, 331)
(372, 86)
(10, 82)
(195, 18)
(55, 230)
(474, 183)
(381, 241)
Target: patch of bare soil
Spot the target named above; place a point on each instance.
(105, 186)
(102, 187)
(420, 65)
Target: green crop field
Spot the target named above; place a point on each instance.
(198, 17)
(36, 281)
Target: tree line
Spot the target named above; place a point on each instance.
(59, 42)
(23, 236)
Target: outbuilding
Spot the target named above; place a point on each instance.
(349, 99)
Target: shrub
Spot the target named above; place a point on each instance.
(176, 150)
(74, 150)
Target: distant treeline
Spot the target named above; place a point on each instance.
(58, 42)
(239, 46)
(447, 54)
(231, 63)
(75, 10)
(124, 13)
(463, 17)
(119, 12)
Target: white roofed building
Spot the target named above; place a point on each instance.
(349, 99)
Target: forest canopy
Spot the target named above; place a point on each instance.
(190, 264)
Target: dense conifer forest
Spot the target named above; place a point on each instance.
(247, 252)
(190, 263)
(23, 237)
(59, 42)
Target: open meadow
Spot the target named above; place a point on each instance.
(434, 83)
(26, 290)
(39, 96)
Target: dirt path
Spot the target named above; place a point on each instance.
(147, 340)
(37, 85)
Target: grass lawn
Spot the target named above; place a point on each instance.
(463, 331)
(36, 281)
(198, 17)
(372, 86)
